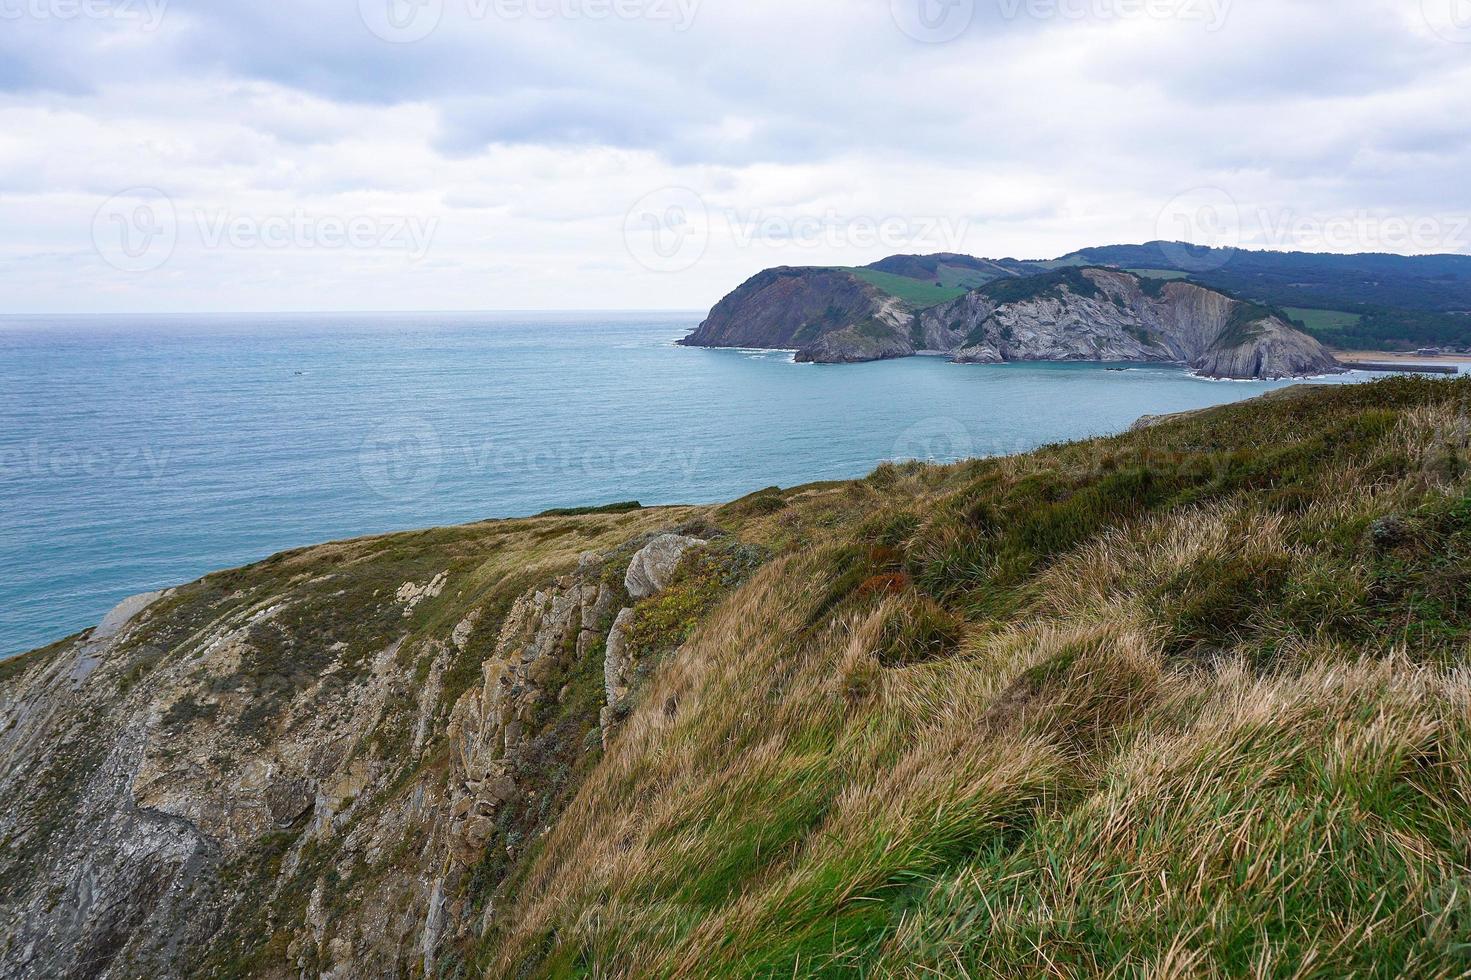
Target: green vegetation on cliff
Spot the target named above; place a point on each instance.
(1186, 701)
(1031, 287)
(917, 294)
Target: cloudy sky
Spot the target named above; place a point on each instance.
(178, 155)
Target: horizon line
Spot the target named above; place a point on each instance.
(363, 312)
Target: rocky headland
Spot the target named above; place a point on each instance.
(1068, 314)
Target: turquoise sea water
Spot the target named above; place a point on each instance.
(142, 452)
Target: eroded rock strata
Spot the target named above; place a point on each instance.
(315, 765)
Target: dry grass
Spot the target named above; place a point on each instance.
(1180, 709)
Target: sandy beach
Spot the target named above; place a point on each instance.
(1400, 357)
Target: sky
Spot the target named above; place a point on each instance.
(244, 155)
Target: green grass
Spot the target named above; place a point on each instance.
(1323, 322)
(619, 508)
(962, 278)
(1166, 274)
(1179, 702)
(915, 293)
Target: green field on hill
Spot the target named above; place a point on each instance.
(1317, 322)
(919, 294)
(1160, 273)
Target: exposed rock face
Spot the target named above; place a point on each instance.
(618, 668)
(1071, 314)
(491, 725)
(856, 345)
(321, 766)
(1270, 348)
(653, 567)
(650, 572)
(1108, 315)
(826, 315)
(122, 614)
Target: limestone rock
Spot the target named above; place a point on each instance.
(124, 613)
(652, 569)
(615, 660)
(146, 765)
(1112, 315)
(1268, 348)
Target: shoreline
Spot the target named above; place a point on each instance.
(1401, 357)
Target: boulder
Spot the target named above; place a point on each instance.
(652, 569)
(123, 614)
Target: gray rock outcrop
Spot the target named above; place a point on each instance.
(618, 671)
(171, 774)
(1111, 315)
(123, 613)
(652, 569)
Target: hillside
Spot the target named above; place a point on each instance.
(953, 270)
(1069, 314)
(1191, 700)
(1437, 283)
(1398, 302)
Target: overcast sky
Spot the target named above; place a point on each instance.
(651, 154)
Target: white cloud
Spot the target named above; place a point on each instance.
(813, 133)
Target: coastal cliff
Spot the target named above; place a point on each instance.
(1070, 314)
(327, 764)
(1051, 713)
(1110, 315)
(826, 314)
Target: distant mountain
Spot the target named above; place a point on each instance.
(1070, 314)
(1432, 283)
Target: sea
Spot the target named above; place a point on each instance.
(140, 452)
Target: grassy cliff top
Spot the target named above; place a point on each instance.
(1187, 701)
